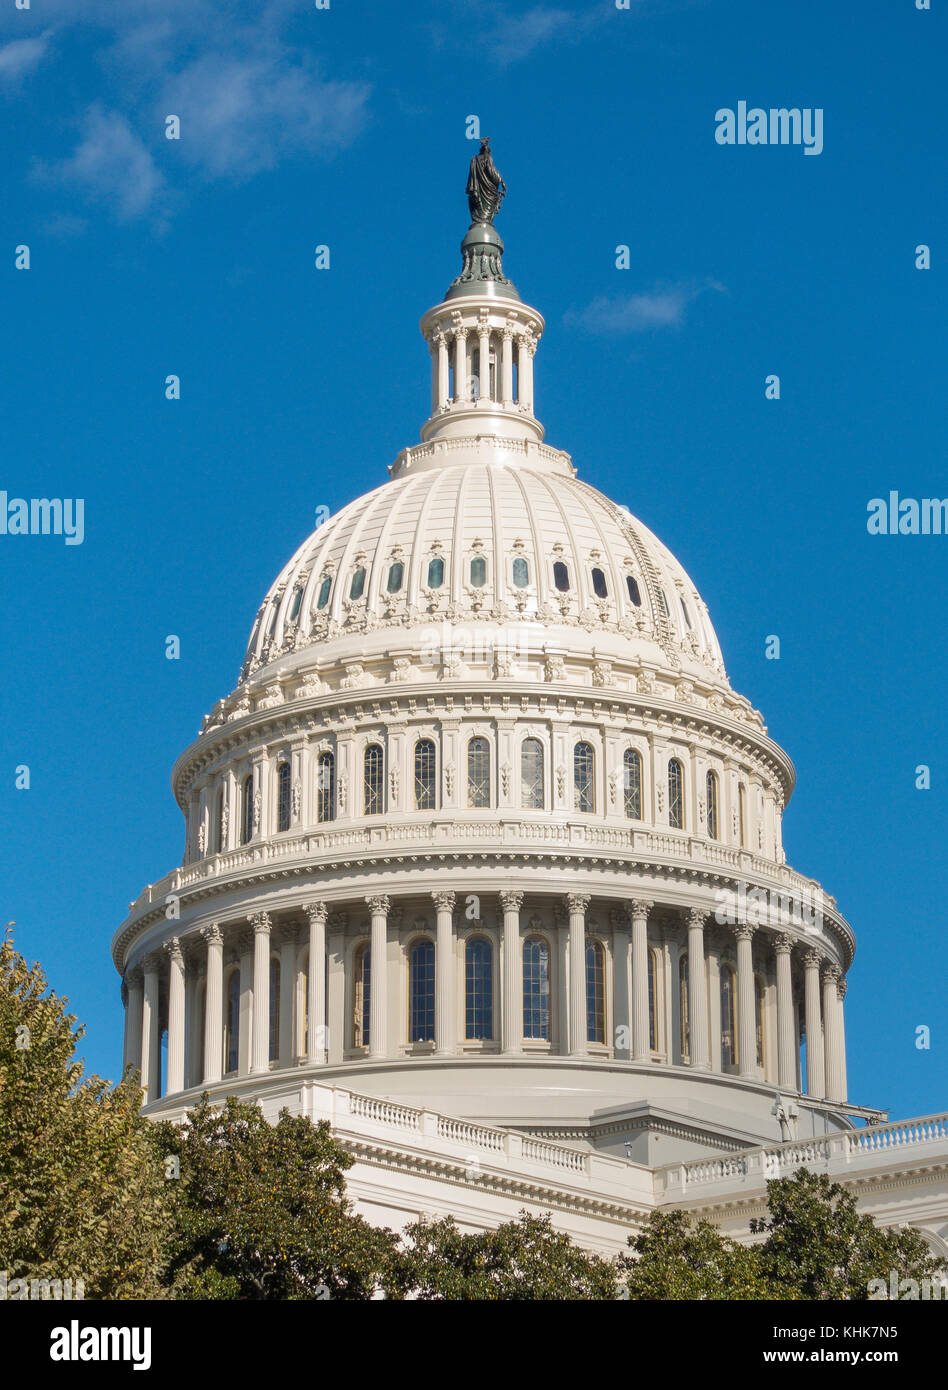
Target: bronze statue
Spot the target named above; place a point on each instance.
(485, 188)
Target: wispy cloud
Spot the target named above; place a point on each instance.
(111, 164)
(20, 56)
(619, 315)
(506, 36)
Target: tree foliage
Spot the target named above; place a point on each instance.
(80, 1194)
(675, 1257)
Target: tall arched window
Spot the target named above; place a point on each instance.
(653, 1001)
(584, 789)
(221, 830)
(676, 795)
(536, 988)
(561, 576)
(683, 1006)
(478, 989)
(274, 1010)
(396, 574)
(325, 589)
(232, 1026)
(531, 774)
(712, 796)
(478, 572)
(425, 775)
(362, 996)
(742, 814)
(373, 780)
(633, 588)
(759, 1018)
(521, 572)
(325, 787)
(295, 602)
(728, 1019)
(283, 797)
(246, 811)
(595, 993)
(435, 572)
(357, 584)
(478, 772)
(600, 588)
(632, 788)
(421, 991)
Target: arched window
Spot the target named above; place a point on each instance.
(652, 1001)
(728, 1019)
(478, 572)
(683, 1006)
(326, 787)
(536, 988)
(560, 576)
(421, 991)
(396, 574)
(246, 811)
(584, 788)
(632, 783)
(742, 814)
(362, 996)
(232, 1026)
(221, 831)
(759, 1018)
(325, 589)
(478, 989)
(521, 572)
(274, 1010)
(595, 993)
(373, 780)
(633, 588)
(676, 793)
(435, 572)
(711, 784)
(600, 588)
(478, 772)
(283, 797)
(357, 584)
(684, 609)
(295, 602)
(531, 774)
(425, 775)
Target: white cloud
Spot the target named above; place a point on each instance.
(638, 313)
(111, 164)
(20, 57)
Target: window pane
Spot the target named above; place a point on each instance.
(326, 787)
(295, 602)
(595, 993)
(246, 829)
(531, 774)
(283, 797)
(363, 992)
(373, 786)
(395, 576)
(599, 584)
(728, 1020)
(683, 1007)
(478, 772)
(632, 767)
(435, 573)
(521, 572)
(233, 1021)
(478, 572)
(478, 989)
(325, 589)
(712, 788)
(358, 584)
(583, 786)
(633, 589)
(422, 991)
(652, 994)
(425, 775)
(536, 989)
(676, 811)
(561, 576)
(274, 1010)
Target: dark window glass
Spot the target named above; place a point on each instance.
(712, 789)
(536, 988)
(478, 572)
(632, 769)
(326, 787)
(435, 573)
(233, 1021)
(373, 781)
(531, 774)
(584, 792)
(274, 1010)
(358, 583)
(246, 820)
(595, 993)
(395, 576)
(478, 772)
(363, 997)
(325, 589)
(633, 589)
(521, 572)
(676, 805)
(425, 775)
(599, 584)
(283, 796)
(478, 989)
(561, 576)
(295, 602)
(421, 968)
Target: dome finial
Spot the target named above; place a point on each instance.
(482, 248)
(485, 187)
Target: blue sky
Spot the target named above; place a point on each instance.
(346, 127)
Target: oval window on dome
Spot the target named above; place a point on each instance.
(325, 589)
(521, 572)
(599, 584)
(478, 572)
(633, 589)
(395, 576)
(358, 583)
(560, 576)
(435, 572)
(295, 602)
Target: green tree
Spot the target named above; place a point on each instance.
(820, 1246)
(81, 1196)
(524, 1259)
(260, 1210)
(675, 1257)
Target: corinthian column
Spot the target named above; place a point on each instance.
(151, 1037)
(697, 989)
(513, 973)
(841, 995)
(378, 977)
(135, 983)
(621, 981)
(175, 1016)
(260, 921)
(815, 1073)
(446, 1039)
(641, 1047)
(214, 1005)
(786, 1048)
(576, 905)
(746, 1013)
(834, 1079)
(460, 364)
(316, 985)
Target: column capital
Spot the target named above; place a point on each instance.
(744, 931)
(576, 902)
(174, 951)
(841, 987)
(697, 917)
(444, 900)
(134, 976)
(317, 912)
(511, 902)
(152, 962)
(640, 907)
(812, 959)
(260, 921)
(379, 903)
(783, 943)
(212, 934)
(832, 973)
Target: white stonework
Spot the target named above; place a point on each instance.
(481, 794)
